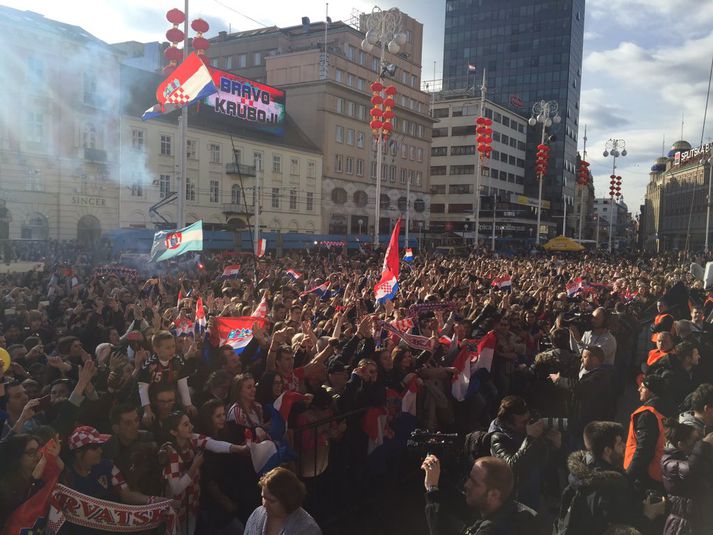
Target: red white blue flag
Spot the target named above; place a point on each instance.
(200, 323)
(261, 247)
(234, 332)
(387, 287)
(504, 282)
(322, 290)
(188, 83)
(408, 255)
(261, 310)
(575, 286)
(296, 275)
(231, 271)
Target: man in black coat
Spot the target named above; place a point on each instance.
(677, 369)
(599, 493)
(489, 491)
(594, 394)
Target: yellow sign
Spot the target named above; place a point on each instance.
(528, 201)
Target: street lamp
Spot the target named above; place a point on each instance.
(383, 29)
(360, 222)
(545, 112)
(613, 148)
(420, 239)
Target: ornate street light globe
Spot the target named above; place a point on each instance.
(605, 153)
(366, 45)
(557, 119)
(371, 37)
(624, 153)
(394, 47)
(400, 39)
(532, 121)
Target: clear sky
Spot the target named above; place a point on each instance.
(646, 62)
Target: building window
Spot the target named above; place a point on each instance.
(137, 139)
(402, 177)
(392, 173)
(361, 112)
(338, 163)
(275, 197)
(310, 201)
(214, 150)
(462, 169)
(191, 149)
(311, 169)
(350, 108)
(90, 136)
(257, 58)
(277, 164)
(350, 165)
(360, 139)
(294, 167)
(90, 88)
(360, 167)
(419, 177)
(361, 84)
(340, 105)
(412, 153)
(257, 161)
(419, 155)
(164, 186)
(293, 199)
(350, 136)
(438, 170)
(242, 61)
(360, 198)
(375, 64)
(350, 80)
(439, 151)
(373, 170)
(339, 196)
(214, 191)
(165, 145)
(34, 180)
(190, 189)
(228, 62)
(339, 76)
(385, 201)
(419, 205)
(137, 189)
(339, 134)
(235, 194)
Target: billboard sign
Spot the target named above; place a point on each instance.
(257, 105)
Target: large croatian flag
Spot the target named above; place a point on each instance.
(504, 282)
(231, 271)
(387, 287)
(235, 332)
(188, 83)
(294, 274)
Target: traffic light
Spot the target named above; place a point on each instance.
(543, 157)
(484, 136)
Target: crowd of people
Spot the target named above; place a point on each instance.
(113, 388)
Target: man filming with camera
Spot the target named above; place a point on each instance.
(599, 336)
(489, 491)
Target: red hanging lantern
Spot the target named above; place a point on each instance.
(390, 90)
(377, 87)
(174, 36)
(175, 16)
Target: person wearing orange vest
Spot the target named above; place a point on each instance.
(663, 322)
(664, 345)
(646, 439)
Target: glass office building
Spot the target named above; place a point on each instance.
(532, 50)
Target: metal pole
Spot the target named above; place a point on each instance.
(564, 216)
(708, 209)
(476, 192)
(182, 180)
(611, 215)
(581, 198)
(495, 204)
(257, 209)
(596, 239)
(539, 194)
(408, 207)
(379, 147)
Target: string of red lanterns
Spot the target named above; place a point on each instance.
(615, 186)
(483, 136)
(543, 157)
(175, 36)
(382, 111)
(583, 175)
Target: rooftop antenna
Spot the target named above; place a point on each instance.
(663, 144)
(682, 122)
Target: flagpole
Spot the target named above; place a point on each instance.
(181, 179)
(408, 206)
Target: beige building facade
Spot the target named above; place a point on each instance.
(58, 135)
(328, 95)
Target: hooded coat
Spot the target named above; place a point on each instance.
(598, 496)
(687, 483)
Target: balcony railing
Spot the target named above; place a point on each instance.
(242, 169)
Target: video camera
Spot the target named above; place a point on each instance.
(550, 423)
(581, 320)
(442, 445)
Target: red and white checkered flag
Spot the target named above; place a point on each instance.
(178, 97)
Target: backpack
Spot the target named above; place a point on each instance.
(575, 517)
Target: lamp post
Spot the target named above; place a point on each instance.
(708, 201)
(360, 222)
(547, 113)
(420, 237)
(613, 148)
(382, 30)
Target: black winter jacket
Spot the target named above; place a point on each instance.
(598, 495)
